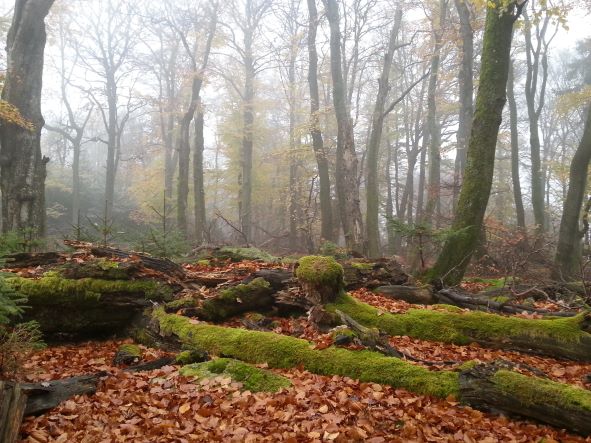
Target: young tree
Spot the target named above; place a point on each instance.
(347, 188)
(22, 166)
(490, 100)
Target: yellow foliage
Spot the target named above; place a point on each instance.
(10, 114)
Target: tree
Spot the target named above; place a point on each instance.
(347, 188)
(490, 100)
(326, 231)
(377, 124)
(22, 166)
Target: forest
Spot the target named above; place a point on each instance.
(298, 221)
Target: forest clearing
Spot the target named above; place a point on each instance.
(296, 221)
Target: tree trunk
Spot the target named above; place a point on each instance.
(568, 253)
(293, 209)
(198, 185)
(12, 408)
(519, 209)
(346, 159)
(457, 251)
(433, 207)
(373, 147)
(246, 160)
(22, 166)
(466, 87)
(326, 230)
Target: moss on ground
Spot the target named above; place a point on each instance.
(460, 328)
(253, 379)
(53, 289)
(535, 390)
(286, 352)
(320, 270)
(239, 254)
(130, 350)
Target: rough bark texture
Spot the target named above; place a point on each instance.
(326, 230)
(568, 253)
(519, 209)
(373, 147)
(198, 185)
(22, 166)
(457, 251)
(466, 85)
(12, 407)
(346, 158)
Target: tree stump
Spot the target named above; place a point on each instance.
(12, 408)
(321, 278)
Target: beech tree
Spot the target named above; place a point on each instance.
(490, 100)
(22, 166)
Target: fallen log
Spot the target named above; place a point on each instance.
(568, 338)
(409, 294)
(366, 273)
(87, 308)
(41, 397)
(31, 259)
(285, 352)
(493, 387)
(163, 265)
(100, 269)
(12, 408)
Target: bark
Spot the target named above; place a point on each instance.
(246, 159)
(373, 147)
(12, 407)
(466, 90)
(346, 158)
(293, 166)
(568, 253)
(22, 166)
(519, 209)
(198, 180)
(326, 230)
(495, 387)
(433, 207)
(457, 251)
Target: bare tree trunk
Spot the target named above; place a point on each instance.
(519, 209)
(490, 100)
(198, 185)
(293, 166)
(326, 231)
(466, 86)
(346, 162)
(433, 207)
(245, 179)
(22, 166)
(373, 147)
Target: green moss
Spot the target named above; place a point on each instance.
(52, 289)
(343, 331)
(130, 350)
(447, 308)
(535, 390)
(319, 270)
(461, 328)
(252, 378)
(191, 356)
(501, 299)
(285, 352)
(239, 254)
(204, 262)
(185, 302)
(237, 299)
(467, 365)
(362, 266)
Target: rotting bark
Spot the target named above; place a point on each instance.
(22, 165)
(12, 407)
(285, 352)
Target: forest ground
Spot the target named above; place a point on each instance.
(163, 406)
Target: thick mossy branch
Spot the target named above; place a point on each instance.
(559, 337)
(252, 378)
(286, 352)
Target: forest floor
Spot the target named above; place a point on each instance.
(163, 406)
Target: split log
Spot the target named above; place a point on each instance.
(278, 351)
(494, 387)
(12, 408)
(31, 259)
(163, 265)
(41, 397)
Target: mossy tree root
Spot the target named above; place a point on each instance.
(568, 338)
(530, 393)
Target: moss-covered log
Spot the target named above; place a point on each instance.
(285, 352)
(99, 269)
(366, 273)
(492, 387)
(558, 337)
(76, 309)
(320, 277)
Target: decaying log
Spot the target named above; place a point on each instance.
(494, 387)
(31, 259)
(41, 397)
(12, 408)
(100, 270)
(155, 263)
(410, 294)
(366, 273)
